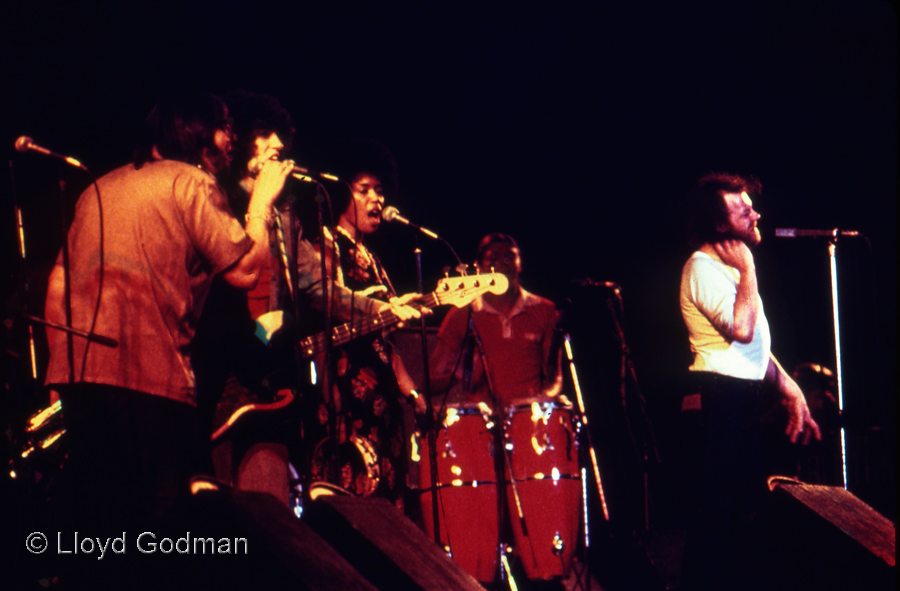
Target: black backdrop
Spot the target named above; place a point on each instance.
(576, 129)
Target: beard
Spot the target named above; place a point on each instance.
(217, 158)
(750, 237)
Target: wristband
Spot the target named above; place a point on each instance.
(266, 218)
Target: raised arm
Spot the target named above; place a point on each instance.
(246, 271)
(746, 303)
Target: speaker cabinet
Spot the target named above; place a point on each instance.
(384, 546)
(823, 537)
(280, 552)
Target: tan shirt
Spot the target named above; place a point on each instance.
(168, 230)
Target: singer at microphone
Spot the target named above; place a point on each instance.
(26, 144)
(391, 214)
(730, 339)
(372, 374)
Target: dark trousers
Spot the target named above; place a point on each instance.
(732, 485)
(131, 454)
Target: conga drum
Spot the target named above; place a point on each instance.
(543, 454)
(466, 490)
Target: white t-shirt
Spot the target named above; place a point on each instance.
(708, 291)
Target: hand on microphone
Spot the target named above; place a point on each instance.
(268, 185)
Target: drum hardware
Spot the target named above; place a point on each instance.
(558, 545)
(537, 477)
(505, 561)
(584, 420)
(45, 443)
(43, 430)
(544, 465)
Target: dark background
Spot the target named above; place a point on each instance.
(577, 129)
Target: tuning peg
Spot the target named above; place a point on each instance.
(462, 269)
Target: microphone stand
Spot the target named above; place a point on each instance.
(627, 371)
(501, 460)
(430, 422)
(584, 421)
(327, 375)
(23, 291)
(833, 236)
(431, 425)
(67, 290)
(832, 259)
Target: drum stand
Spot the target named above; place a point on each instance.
(501, 463)
(502, 466)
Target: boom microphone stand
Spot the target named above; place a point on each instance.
(627, 373)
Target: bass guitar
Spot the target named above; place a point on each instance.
(451, 291)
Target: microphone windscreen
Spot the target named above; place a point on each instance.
(23, 143)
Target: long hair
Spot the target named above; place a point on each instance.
(706, 204)
(181, 127)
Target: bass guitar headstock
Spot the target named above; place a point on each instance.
(460, 291)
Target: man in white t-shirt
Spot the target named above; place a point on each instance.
(730, 341)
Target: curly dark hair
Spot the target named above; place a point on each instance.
(706, 205)
(359, 156)
(256, 115)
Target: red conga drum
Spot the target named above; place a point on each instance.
(466, 490)
(543, 454)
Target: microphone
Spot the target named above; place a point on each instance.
(300, 172)
(26, 144)
(391, 214)
(798, 233)
(613, 286)
(591, 283)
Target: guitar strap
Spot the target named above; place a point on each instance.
(283, 252)
(381, 274)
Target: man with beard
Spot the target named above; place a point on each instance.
(143, 248)
(729, 337)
